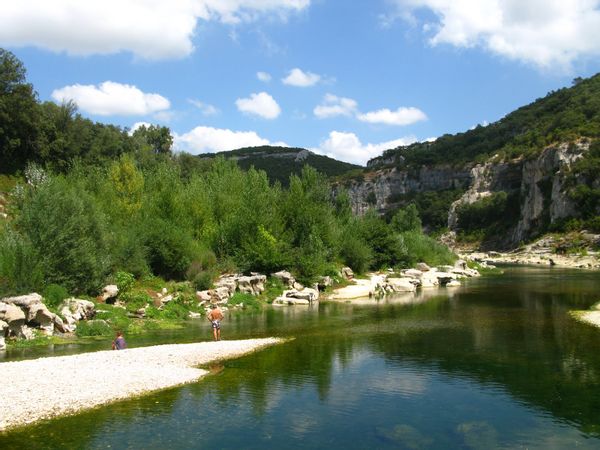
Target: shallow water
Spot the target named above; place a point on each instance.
(497, 363)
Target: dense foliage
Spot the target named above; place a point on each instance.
(563, 115)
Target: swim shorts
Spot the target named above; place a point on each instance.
(216, 324)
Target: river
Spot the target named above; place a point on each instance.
(496, 363)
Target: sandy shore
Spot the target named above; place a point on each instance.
(39, 389)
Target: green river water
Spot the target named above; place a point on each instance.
(497, 363)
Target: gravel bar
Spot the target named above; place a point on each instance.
(43, 388)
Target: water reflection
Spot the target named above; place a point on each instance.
(497, 363)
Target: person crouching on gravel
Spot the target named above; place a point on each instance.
(119, 342)
(215, 315)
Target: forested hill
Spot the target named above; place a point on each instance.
(561, 116)
(281, 162)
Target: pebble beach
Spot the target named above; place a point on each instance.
(44, 388)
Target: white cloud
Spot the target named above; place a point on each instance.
(333, 105)
(299, 78)
(211, 140)
(263, 76)
(546, 33)
(110, 98)
(402, 116)
(205, 108)
(151, 29)
(348, 147)
(137, 125)
(261, 104)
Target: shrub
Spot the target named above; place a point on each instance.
(20, 270)
(124, 281)
(422, 248)
(54, 294)
(93, 328)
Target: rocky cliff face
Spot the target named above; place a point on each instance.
(539, 183)
(380, 189)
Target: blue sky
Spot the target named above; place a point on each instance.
(344, 78)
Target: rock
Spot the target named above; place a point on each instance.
(286, 278)
(290, 301)
(15, 318)
(460, 264)
(298, 286)
(353, 291)
(402, 284)
(253, 285)
(229, 282)
(24, 301)
(166, 299)
(3, 329)
(325, 282)
(412, 273)
(422, 267)
(203, 296)
(195, 315)
(220, 294)
(109, 292)
(429, 280)
(305, 294)
(78, 309)
(347, 273)
(164, 291)
(453, 283)
(61, 326)
(40, 315)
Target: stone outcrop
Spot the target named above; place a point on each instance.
(73, 310)
(305, 296)
(538, 184)
(109, 293)
(410, 280)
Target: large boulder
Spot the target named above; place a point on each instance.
(109, 293)
(228, 281)
(61, 326)
(24, 301)
(286, 278)
(412, 273)
(347, 273)
(78, 309)
(402, 284)
(422, 267)
(203, 296)
(39, 315)
(253, 285)
(325, 282)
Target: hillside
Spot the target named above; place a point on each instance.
(563, 115)
(280, 162)
(497, 186)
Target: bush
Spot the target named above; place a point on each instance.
(124, 281)
(69, 231)
(93, 328)
(422, 248)
(20, 270)
(54, 294)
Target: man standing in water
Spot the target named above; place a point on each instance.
(215, 315)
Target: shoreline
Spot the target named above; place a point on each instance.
(66, 385)
(535, 259)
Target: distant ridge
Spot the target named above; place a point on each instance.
(280, 162)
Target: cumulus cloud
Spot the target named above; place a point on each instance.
(151, 29)
(263, 76)
(299, 78)
(261, 104)
(348, 147)
(545, 33)
(205, 108)
(401, 117)
(110, 98)
(211, 140)
(333, 105)
(137, 125)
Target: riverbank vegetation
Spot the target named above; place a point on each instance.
(89, 202)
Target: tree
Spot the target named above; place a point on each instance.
(158, 138)
(18, 115)
(407, 219)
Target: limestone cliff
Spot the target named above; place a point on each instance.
(538, 181)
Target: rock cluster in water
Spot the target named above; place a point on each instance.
(408, 280)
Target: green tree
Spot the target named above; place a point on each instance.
(407, 219)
